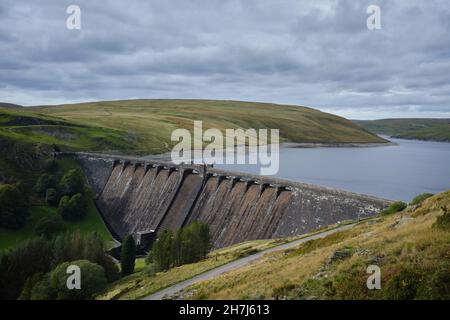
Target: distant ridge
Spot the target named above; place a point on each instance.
(410, 128)
(150, 122)
(9, 105)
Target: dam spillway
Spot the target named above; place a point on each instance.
(138, 196)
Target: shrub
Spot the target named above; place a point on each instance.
(93, 281)
(42, 255)
(150, 269)
(13, 207)
(30, 284)
(45, 182)
(161, 253)
(420, 198)
(72, 182)
(53, 286)
(439, 285)
(48, 226)
(73, 208)
(394, 207)
(51, 197)
(30, 257)
(404, 285)
(128, 255)
(443, 221)
(50, 165)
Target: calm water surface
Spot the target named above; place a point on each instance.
(394, 172)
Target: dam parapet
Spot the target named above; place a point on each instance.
(145, 197)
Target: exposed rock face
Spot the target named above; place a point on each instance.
(136, 196)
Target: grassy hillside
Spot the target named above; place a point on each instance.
(421, 129)
(151, 122)
(141, 283)
(28, 137)
(26, 142)
(411, 249)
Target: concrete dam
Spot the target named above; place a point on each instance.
(143, 198)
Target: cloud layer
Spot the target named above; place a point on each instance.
(316, 53)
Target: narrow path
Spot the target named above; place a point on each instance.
(237, 264)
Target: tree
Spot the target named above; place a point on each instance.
(42, 255)
(190, 244)
(51, 197)
(13, 207)
(73, 208)
(50, 165)
(30, 257)
(53, 286)
(48, 226)
(72, 182)
(45, 182)
(162, 251)
(128, 255)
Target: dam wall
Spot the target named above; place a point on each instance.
(138, 196)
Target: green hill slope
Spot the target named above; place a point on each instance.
(421, 129)
(151, 122)
(28, 137)
(411, 248)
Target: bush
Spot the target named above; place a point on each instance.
(394, 207)
(48, 226)
(93, 281)
(420, 198)
(189, 245)
(439, 285)
(13, 207)
(51, 197)
(443, 221)
(45, 182)
(53, 286)
(50, 165)
(404, 285)
(42, 255)
(73, 208)
(128, 255)
(28, 258)
(72, 182)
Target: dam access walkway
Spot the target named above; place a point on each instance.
(173, 290)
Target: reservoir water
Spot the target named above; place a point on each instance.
(397, 172)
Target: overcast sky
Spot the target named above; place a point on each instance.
(315, 53)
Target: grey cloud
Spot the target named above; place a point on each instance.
(316, 53)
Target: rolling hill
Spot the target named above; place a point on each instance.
(420, 129)
(149, 123)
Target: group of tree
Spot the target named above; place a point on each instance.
(67, 192)
(53, 285)
(187, 245)
(30, 267)
(14, 206)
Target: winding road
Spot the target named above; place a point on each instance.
(169, 291)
